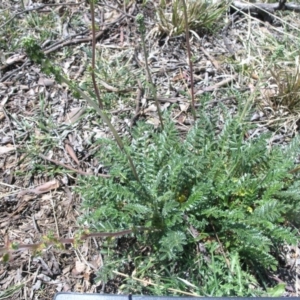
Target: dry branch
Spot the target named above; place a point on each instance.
(264, 7)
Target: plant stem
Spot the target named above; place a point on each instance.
(142, 29)
(187, 37)
(92, 7)
(106, 120)
(153, 88)
(57, 241)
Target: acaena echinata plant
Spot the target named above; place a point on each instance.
(214, 194)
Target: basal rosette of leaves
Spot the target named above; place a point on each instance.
(214, 187)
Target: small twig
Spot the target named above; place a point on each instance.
(4, 78)
(71, 168)
(267, 7)
(213, 61)
(165, 99)
(72, 36)
(113, 89)
(216, 86)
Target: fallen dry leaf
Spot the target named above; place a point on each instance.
(6, 149)
(71, 152)
(41, 189)
(269, 93)
(46, 82)
(79, 268)
(74, 115)
(11, 60)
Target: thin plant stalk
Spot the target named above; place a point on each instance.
(92, 7)
(11, 246)
(153, 88)
(142, 29)
(187, 37)
(106, 120)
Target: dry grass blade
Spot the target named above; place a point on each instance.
(8, 294)
(288, 83)
(201, 15)
(147, 282)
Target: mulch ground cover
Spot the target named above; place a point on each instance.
(47, 137)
